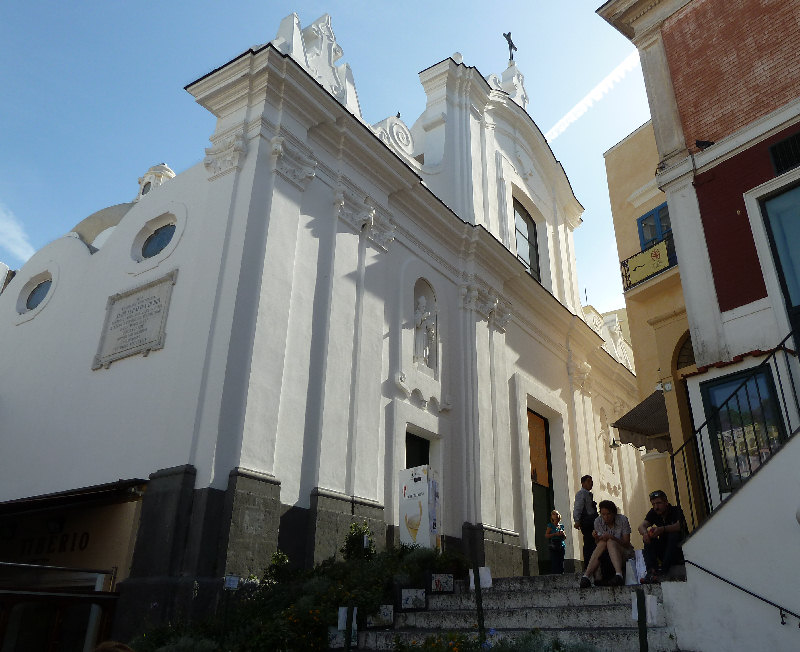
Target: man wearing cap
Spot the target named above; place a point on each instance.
(583, 515)
(662, 531)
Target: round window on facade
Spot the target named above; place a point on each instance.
(146, 188)
(38, 294)
(158, 240)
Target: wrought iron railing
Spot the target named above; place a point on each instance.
(646, 264)
(740, 434)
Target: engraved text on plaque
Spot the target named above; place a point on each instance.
(135, 321)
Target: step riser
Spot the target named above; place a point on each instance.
(572, 597)
(537, 582)
(601, 617)
(624, 640)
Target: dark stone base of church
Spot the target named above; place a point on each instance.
(573, 566)
(330, 516)
(499, 550)
(189, 539)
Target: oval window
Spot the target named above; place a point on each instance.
(38, 294)
(157, 240)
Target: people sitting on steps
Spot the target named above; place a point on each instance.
(662, 531)
(612, 535)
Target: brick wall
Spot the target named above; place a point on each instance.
(732, 61)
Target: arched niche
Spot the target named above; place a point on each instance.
(426, 328)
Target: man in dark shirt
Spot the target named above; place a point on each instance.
(662, 531)
(583, 515)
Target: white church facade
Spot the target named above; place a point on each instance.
(247, 355)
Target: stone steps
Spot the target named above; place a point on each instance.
(618, 639)
(610, 615)
(497, 598)
(553, 604)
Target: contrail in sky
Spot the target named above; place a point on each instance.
(13, 238)
(595, 95)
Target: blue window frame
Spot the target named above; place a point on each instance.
(654, 226)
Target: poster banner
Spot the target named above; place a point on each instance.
(419, 507)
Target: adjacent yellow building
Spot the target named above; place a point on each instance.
(656, 311)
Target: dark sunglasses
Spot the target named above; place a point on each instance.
(657, 494)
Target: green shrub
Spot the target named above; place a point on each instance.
(290, 609)
(359, 543)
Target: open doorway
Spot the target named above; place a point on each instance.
(541, 484)
(418, 451)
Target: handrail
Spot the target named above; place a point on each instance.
(692, 455)
(783, 610)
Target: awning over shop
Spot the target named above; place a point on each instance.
(647, 424)
(109, 492)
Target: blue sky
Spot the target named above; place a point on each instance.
(93, 94)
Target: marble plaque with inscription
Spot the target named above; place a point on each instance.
(135, 321)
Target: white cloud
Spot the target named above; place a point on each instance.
(595, 95)
(13, 238)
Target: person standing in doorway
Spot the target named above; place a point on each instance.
(583, 515)
(556, 538)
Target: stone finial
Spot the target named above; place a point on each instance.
(316, 50)
(512, 82)
(155, 176)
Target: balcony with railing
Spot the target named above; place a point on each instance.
(648, 263)
(759, 412)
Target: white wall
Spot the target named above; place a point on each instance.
(289, 347)
(754, 541)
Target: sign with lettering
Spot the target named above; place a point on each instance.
(648, 263)
(135, 321)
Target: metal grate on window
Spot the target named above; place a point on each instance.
(786, 154)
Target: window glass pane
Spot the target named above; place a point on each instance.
(159, 239)
(747, 425)
(523, 249)
(648, 226)
(663, 218)
(526, 240)
(38, 294)
(783, 213)
(520, 223)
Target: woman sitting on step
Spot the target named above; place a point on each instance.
(612, 533)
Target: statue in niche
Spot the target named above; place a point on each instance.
(424, 334)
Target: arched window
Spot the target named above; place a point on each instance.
(527, 246)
